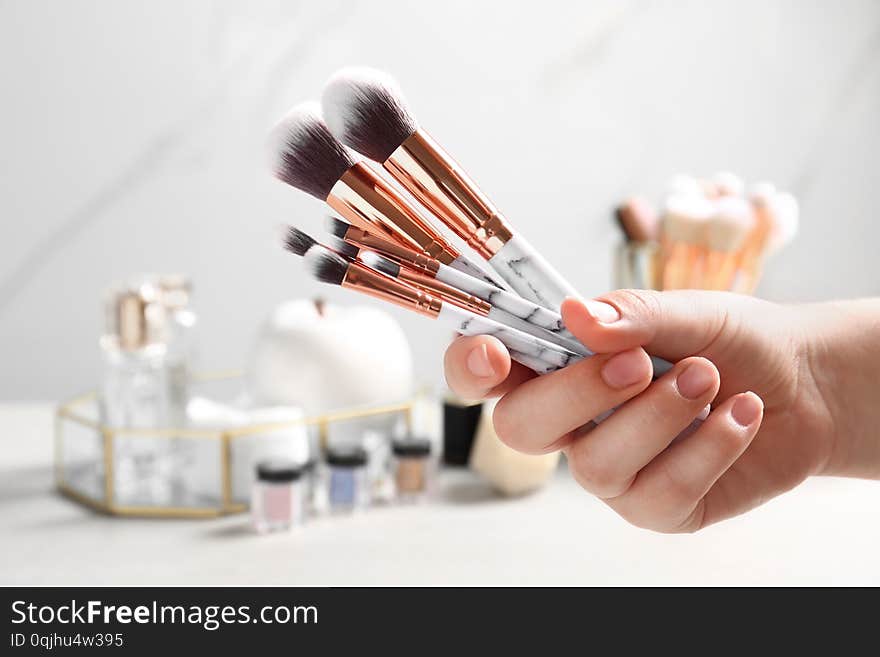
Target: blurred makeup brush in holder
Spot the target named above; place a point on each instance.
(709, 234)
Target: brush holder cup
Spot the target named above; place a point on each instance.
(637, 266)
(189, 471)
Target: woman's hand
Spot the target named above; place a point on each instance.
(772, 424)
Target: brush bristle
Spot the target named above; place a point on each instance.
(296, 241)
(366, 110)
(342, 247)
(336, 227)
(380, 263)
(729, 227)
(305, 154)
(326, 266)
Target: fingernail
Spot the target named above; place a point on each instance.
(478, 362)
(695, 380)
(601, 311)
(747, 409)
(625, 369)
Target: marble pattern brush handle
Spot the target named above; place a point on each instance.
(533, 313)
(462, 264)
(533, 277)
(469, 323)
(527, 272)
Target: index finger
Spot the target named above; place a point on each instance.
(479, 366)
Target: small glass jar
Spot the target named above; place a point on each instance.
(412, 468)
(279, 496)
(347, 484)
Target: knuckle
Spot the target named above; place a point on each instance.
(507, 427)
(638, 303)
(593, 474)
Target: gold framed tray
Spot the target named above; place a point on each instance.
(189, 471)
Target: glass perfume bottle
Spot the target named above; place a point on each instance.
(175, 293)
(135, 395)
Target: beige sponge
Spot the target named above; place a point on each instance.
(510, 472)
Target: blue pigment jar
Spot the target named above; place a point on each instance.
(347, 487)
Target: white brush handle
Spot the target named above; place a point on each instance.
(468, 323)
(533, 277)
(504, 317)
(527, 272)
(463, 264)
(515, 305)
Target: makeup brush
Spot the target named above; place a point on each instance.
(536, 354)
(425, 267)
(366, 110)
(726, 233)
(297, 241)
(332, 268)
(507, 301)
(685, 217)
(449, 293)
(638, 220)
(305, 155)
(781, 215)
(727, 183)
(433, 286)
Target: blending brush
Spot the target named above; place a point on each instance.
(509, 302)
(366, 110)
(307, 156)
(335, 269)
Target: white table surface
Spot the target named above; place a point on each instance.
(825, 532)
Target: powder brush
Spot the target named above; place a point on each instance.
(307, 156)
(366, 110)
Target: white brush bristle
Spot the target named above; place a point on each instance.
(729, 227)
(685, 217)
(380, 263)
(366, 110)
(326, 266)
(728, 183)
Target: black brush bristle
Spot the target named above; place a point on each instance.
(326, 266)
(366, 110)
(342, 247)
(305, 154)
(297, 241)
(336, 227)
(380, 263)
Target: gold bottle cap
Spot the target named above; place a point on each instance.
(131, 320)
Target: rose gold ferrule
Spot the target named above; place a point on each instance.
(368, 281)
(446, 292)
(439, 183)
(366, 200)
(361, 238)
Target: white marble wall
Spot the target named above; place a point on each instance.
(132, 140)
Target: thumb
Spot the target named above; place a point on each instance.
(672, 325)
